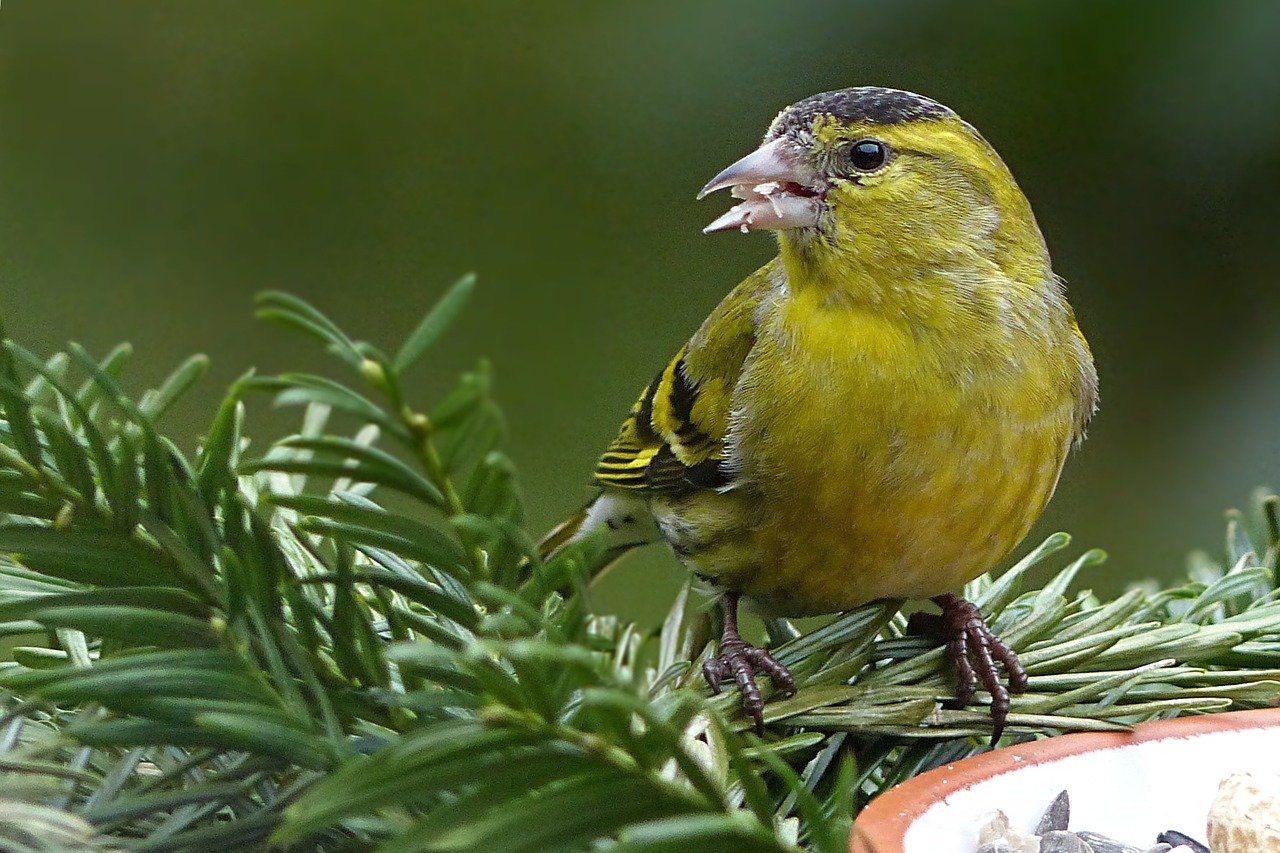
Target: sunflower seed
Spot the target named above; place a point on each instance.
(1057, 816)
(1059, 841)
(1102, 844)
(1174, 838)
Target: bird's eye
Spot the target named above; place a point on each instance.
(867, 155)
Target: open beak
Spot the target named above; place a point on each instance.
(778, 190)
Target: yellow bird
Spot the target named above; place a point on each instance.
(882, 410)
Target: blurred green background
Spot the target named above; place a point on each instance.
(162, 161)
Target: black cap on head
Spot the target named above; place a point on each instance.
(864, 104)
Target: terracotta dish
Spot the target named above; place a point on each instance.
(1129, 786)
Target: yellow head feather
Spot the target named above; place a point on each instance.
(943, 213)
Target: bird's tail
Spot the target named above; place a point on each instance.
(622, 521)
(562, 534)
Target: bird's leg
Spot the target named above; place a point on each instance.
(737, 658)
(974, 651)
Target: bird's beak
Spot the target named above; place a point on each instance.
(778, 189)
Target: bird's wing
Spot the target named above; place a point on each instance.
(674, 437)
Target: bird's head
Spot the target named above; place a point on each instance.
(880, 177)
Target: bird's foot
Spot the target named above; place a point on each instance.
(974, 652)
(740, 660)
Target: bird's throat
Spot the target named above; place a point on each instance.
(954, 293)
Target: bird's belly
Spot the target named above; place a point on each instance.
(854, 498)
(911, 517)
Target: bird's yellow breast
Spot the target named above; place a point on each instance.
(880, 458)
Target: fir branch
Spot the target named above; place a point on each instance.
(348, 638)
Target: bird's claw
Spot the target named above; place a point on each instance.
(974, 652)
(742, 661)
